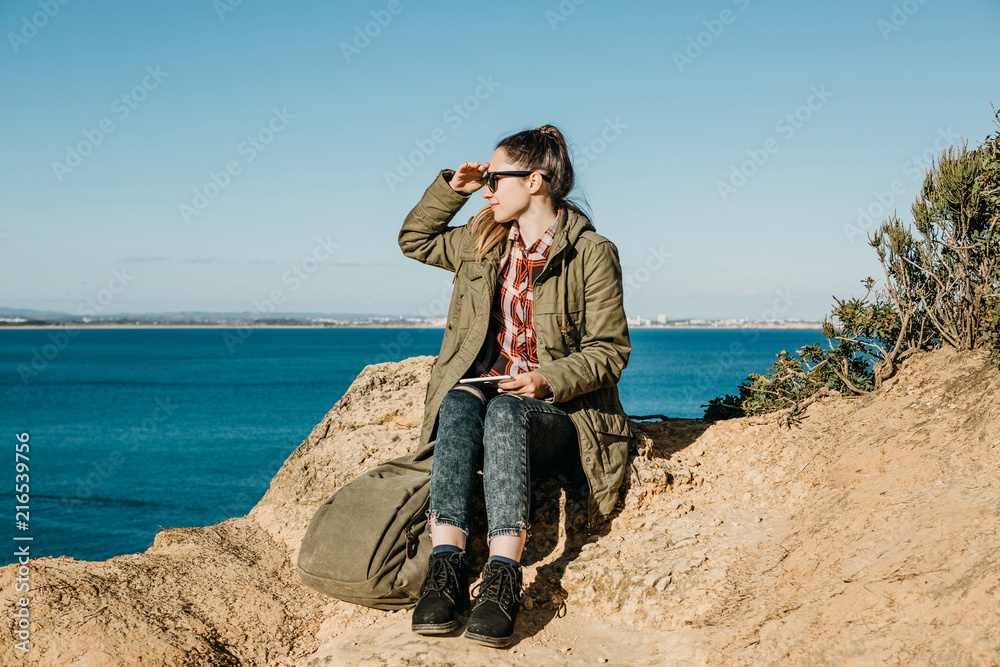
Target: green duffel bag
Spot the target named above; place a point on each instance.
(369, 544)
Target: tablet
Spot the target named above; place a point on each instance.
(492, 380)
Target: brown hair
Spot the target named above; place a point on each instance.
(543, 149)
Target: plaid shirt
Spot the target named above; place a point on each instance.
(510, 341)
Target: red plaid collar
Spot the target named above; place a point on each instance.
(540, 248)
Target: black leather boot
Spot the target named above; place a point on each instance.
(491, 622)
(444, 596)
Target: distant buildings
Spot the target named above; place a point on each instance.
(731, 323)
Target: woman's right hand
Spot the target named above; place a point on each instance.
(469, 177)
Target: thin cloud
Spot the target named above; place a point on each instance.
(147, 258)
(219, 260)
(194, 260)
(362, 262)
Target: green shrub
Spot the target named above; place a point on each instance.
(942, 286)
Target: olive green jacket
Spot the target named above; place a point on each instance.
(580, 287)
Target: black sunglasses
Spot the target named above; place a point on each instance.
(491, 177)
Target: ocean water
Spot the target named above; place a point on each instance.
(132, 431)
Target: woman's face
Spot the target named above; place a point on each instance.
(510, 200)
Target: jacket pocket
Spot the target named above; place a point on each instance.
(549, 335)
(611, 427)
(613, 433)
(468, 304)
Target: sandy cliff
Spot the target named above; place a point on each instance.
(869, 535)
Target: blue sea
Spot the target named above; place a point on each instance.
(132, 431)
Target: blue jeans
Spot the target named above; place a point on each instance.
(514, 433)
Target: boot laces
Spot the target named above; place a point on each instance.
(499, 585)
(443, 577)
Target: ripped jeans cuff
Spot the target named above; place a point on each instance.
(435, 518)
(510, 530)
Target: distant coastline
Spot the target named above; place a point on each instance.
(149, 322)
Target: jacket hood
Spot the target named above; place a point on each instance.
(576, 224)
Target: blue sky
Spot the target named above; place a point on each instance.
(233, 156)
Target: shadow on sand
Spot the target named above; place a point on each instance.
(558, 509)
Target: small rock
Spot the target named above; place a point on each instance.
(529, 604)
(682, 533)
(687, 541)
(602, 660)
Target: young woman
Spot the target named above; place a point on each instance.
(537, 296)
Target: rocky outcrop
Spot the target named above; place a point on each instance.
(867, 535)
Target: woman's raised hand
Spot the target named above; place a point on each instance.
(469, 177)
